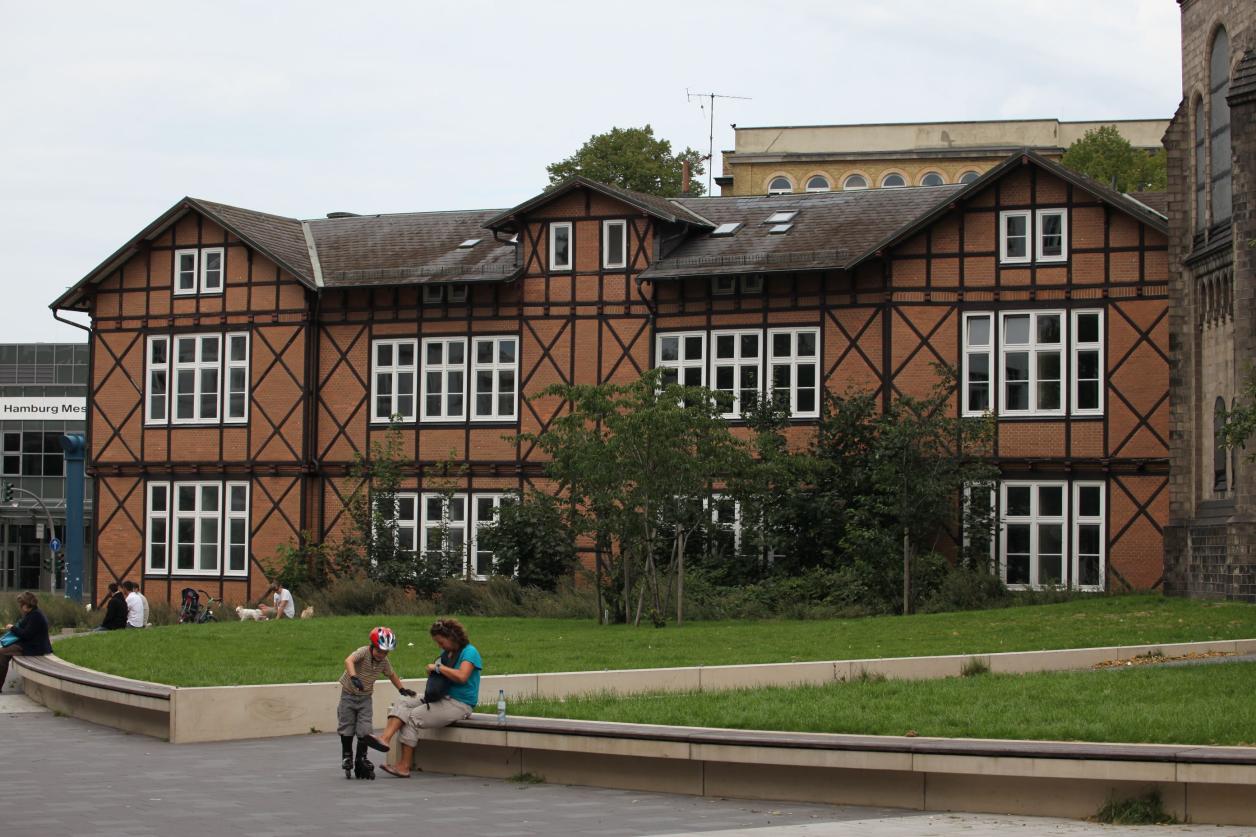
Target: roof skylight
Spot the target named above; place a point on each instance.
(469, 243)
(782, 217)
(778, 229)
(727, 229)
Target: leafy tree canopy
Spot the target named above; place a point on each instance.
(1103, 154)
(632, 158)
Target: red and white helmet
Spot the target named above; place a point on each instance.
(383, 638)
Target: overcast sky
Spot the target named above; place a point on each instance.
(111, 112)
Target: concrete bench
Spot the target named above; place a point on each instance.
(1067, 779)
(119, 702)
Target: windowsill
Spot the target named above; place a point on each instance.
(376, 424)
(176, 425)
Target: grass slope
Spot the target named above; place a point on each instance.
(313, 650)
(1207, 704)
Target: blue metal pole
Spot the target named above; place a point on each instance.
(73, 446)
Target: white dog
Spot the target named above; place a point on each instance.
(247, 613)
(308, 612)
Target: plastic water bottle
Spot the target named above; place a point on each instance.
(501, 706)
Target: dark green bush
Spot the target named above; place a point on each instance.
(965, 589)
(346, 597)
(531, 541)
(60, 611)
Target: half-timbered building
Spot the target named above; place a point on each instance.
(240, 361)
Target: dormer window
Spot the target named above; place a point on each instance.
(198, 271)
(726, 229)
(436, 294)
(468, 244)
(614, 244)
(560, 245)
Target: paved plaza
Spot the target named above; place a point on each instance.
(62, 777)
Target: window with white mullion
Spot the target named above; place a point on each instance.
(444, 379)
(157, 393)
(213, 262)
(737, 370)
(980, 524)
(444, 514)
(682, 357)
(726, 523)
(197, 528)
(186, 273)
(395, 369)
(560, 248)
(1051, 235)
(495, 372)
(614, 244)
(157, 529)
(978, 381)
(484, 508)
(1031, 355)
(236, 540)
(236, 379)
(1014, 244)
(794, 369)
(1089, 547)
(407, 521)
(1033, 542)
(1086, 396)
(197, 365)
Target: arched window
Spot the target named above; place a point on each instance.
(932, 179)
(968, 177)
(780, 186)
(892, 181)
(1219, 482)
(1219, 88)
(1201, 171)
(819, 183)
(855, 182)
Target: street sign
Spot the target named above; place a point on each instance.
(55, 544)
(39, 531)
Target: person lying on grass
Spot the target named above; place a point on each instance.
(460, 665)
(357, 689)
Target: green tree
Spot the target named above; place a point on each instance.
(372, 508)
(531, 540)
(1106, 156)
(632, 158)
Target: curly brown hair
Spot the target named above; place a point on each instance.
(32, 601)
(450, 629)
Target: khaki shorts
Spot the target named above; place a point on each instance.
(353, 714)
(416, 715)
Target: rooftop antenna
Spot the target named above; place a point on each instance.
(711, 97)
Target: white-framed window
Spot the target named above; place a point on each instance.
(560, 245)
(736, 370)
(444, 379)
(932, 178)
(854, 182)
(614, 244)
(1031, 356)
(495, 372)
(979, 523)
(407, 520)
(682, 357)
(1034, 537)
(198, 528)
(436, 294)
(894, 180)
(723, 285)
(444, 513)
(197, 379)
(726, 523)
(157, 529)
(1051, 235)
(780, 185)
(157, 387)
(185, 271)
(1087, 367)
(794, 369)
(393, 376)
(818, 183)
(1014, 236)
(484, 508)
(213, 260)
(1089, 532)
(978, 382)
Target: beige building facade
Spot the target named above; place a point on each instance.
(821, 158)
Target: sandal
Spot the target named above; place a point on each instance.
(392, 771)
(375, 744)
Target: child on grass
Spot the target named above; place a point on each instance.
(357, 687)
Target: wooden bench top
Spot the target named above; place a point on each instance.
(876, 743)
(53, 666)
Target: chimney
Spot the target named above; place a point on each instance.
(684, 177)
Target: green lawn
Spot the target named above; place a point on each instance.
(1206, 704)
(313, 650)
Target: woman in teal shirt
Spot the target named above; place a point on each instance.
(409, 715)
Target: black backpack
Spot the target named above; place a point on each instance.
(437, 687)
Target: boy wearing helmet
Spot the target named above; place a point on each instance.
(357, 686)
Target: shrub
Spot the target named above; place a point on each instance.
(531, 541)
(347, 597)
(304, 565)
(1139, 810)
(974, 667)
(60, 611)
(966, 589)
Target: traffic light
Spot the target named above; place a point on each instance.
(8, 492)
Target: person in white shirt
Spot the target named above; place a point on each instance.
(136, 605)
(282, 606)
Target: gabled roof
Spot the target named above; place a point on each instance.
(1139, 211)
(279, 238)
(669, 210)
(411, 248)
